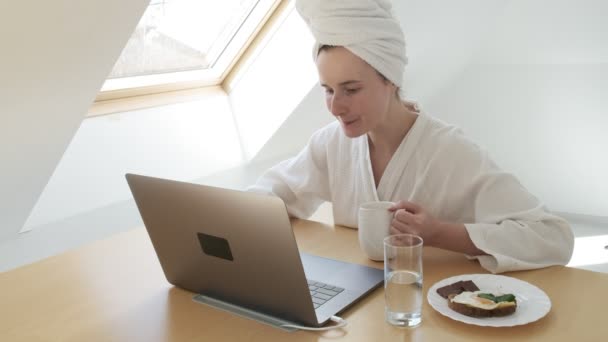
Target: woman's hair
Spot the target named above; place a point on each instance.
(384, 78)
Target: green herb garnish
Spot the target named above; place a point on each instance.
(497, 299)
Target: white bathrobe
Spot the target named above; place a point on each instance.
(437, 167)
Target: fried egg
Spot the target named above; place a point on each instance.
(471, 299)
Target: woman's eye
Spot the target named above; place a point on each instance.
(329, 91)
(352, 91)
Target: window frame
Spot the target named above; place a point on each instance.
(253, 29)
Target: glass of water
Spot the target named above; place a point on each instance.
(403, 279)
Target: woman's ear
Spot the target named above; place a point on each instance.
(394, 88)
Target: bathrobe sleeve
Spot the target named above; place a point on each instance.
(509, 223)
(302, 182)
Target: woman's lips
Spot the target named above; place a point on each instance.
(349, 122)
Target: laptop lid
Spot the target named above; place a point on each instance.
(231, 245)
(239, 247)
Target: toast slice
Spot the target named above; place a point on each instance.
(503, 308)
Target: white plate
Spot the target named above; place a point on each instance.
(532, 302)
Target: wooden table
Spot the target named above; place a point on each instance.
(114, 290)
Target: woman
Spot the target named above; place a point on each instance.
(446, 188)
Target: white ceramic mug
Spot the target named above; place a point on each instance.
(374, 224)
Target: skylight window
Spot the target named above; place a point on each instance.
(187, 41)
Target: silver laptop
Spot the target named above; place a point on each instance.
(239, 248)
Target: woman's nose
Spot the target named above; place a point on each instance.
(337, 106)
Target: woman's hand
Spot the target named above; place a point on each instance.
(411, 218)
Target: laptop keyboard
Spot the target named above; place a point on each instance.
(321, 292)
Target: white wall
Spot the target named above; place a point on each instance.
(182, 141)
(268, 90)
(55, 57)
(293, 134)
(545, 123)
(548, 32)
(535, 95)
(526, 79)
(442, 37)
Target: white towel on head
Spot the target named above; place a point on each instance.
(367, 28)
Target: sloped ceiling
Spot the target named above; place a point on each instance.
(55, 57)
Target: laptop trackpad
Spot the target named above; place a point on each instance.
(342, 274)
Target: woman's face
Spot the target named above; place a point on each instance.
(354, 92)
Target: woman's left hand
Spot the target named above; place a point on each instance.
(410, 218)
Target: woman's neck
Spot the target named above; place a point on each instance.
(387, 137)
